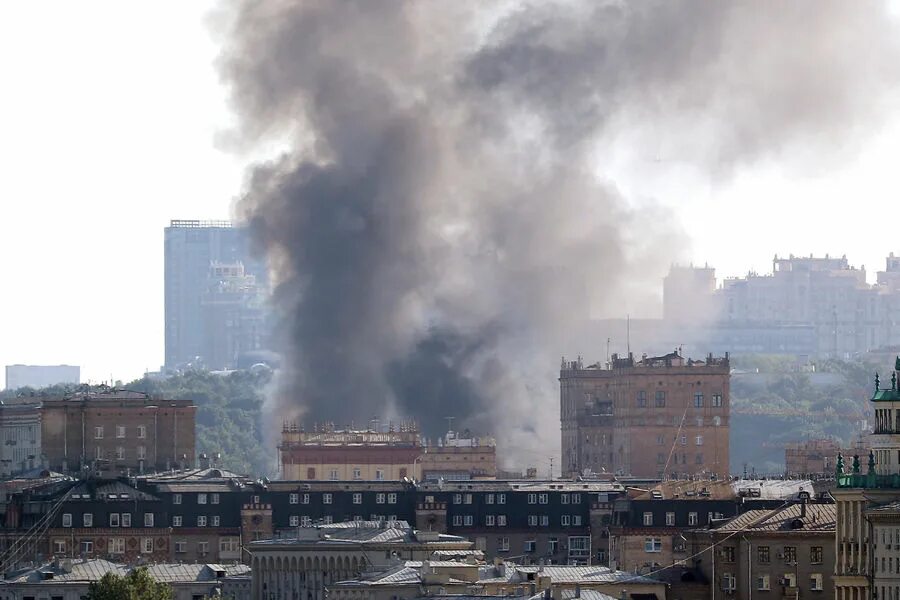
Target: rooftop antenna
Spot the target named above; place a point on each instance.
(628, 333)
(551, 468)
(607, 350)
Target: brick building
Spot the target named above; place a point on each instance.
(653, 417)
(460, 456)
(333, 454)
(117, 432)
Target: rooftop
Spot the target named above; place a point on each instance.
(766, 489)
(361, 532)
(819, 518)
(72, 571)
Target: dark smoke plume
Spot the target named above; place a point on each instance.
(438, 224)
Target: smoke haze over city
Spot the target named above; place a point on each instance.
(441, 224)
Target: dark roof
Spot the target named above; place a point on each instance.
(111, 491)
(819, 518)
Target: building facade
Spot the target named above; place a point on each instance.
(20, 436)
(117, 432)
(198, 296)
(787, 552)
(374, 454)
(460, 456)
(653, 417)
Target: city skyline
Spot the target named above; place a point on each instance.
(69, 221)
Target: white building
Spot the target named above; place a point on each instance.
(38, 376)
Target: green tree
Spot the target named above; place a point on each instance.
(136, 585)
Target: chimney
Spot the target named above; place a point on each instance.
(803, 507)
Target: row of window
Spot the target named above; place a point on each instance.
(661, 458)
(121, 431)
(693, 518)
(116, 545)
(115, 520)
(698, 440)
(202, 521)
(764, 581)
(140, 453)
(659, 399)
(205, 498)
(334, 474)
(764, 554)
(232, 545)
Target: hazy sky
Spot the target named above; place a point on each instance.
(108, 125)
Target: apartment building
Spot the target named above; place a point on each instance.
(786, 552)
(329, 454)
(654, 417)
(117, 432)
(459, 456)
(20, 437)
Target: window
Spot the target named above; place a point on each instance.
(59, 547)
(699, 459)
(530, 546)
(670, 519)
(648, 518)
(148, 519)
(501, 520)
(457, 498)
(294, 521)
(717, 421)
(116, 545)
(379, 475)
(214, 498)
(563, 498)
(113, 519)
(576, 520)
(692, 518)
(729, 582)
(652, 545)
(126, 519)
(202, 548)
(576, 498)
(642, 399)
(357, 474)
(543, 498)
(141, 453)
(332, 475)
(815, 555)
(717, 400)
(790, 580)
(305, 498)
(815, 583)
(660, 441)
(552, 545)
(305, 521)
(67, 520)
(488, 498)
(532, 520)
(294, 499)
(180, 547)
(201, 521)
(87, 547)
(229, 545)
(379, 498)
(98, 432)
(326, 498)
(684, 440)
(489, 520)
(503, 544)
(201, 498)
(176, 499)
(147, 545)
(310, 472)
(762, 582)
(357, 498)
(392, 498)
(660, 399)
(142, 431)
(545, 521)
(564, 520)
(762, 554)
(120, 453)
(176, 521)
(457, 520)
(698, 440)
(215, 521)
(790, 554)
(467, 520)
(532, 498)
(728, 554)
(661, 458)
(501, 498)
(698, 400)
(468, 498)
(120, 431)
(99, 453)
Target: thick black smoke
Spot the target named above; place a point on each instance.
(438, 224)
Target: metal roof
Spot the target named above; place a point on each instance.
(819, 518)
(94, 569)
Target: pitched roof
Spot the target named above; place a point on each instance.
(819, 518)
(94, 569)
